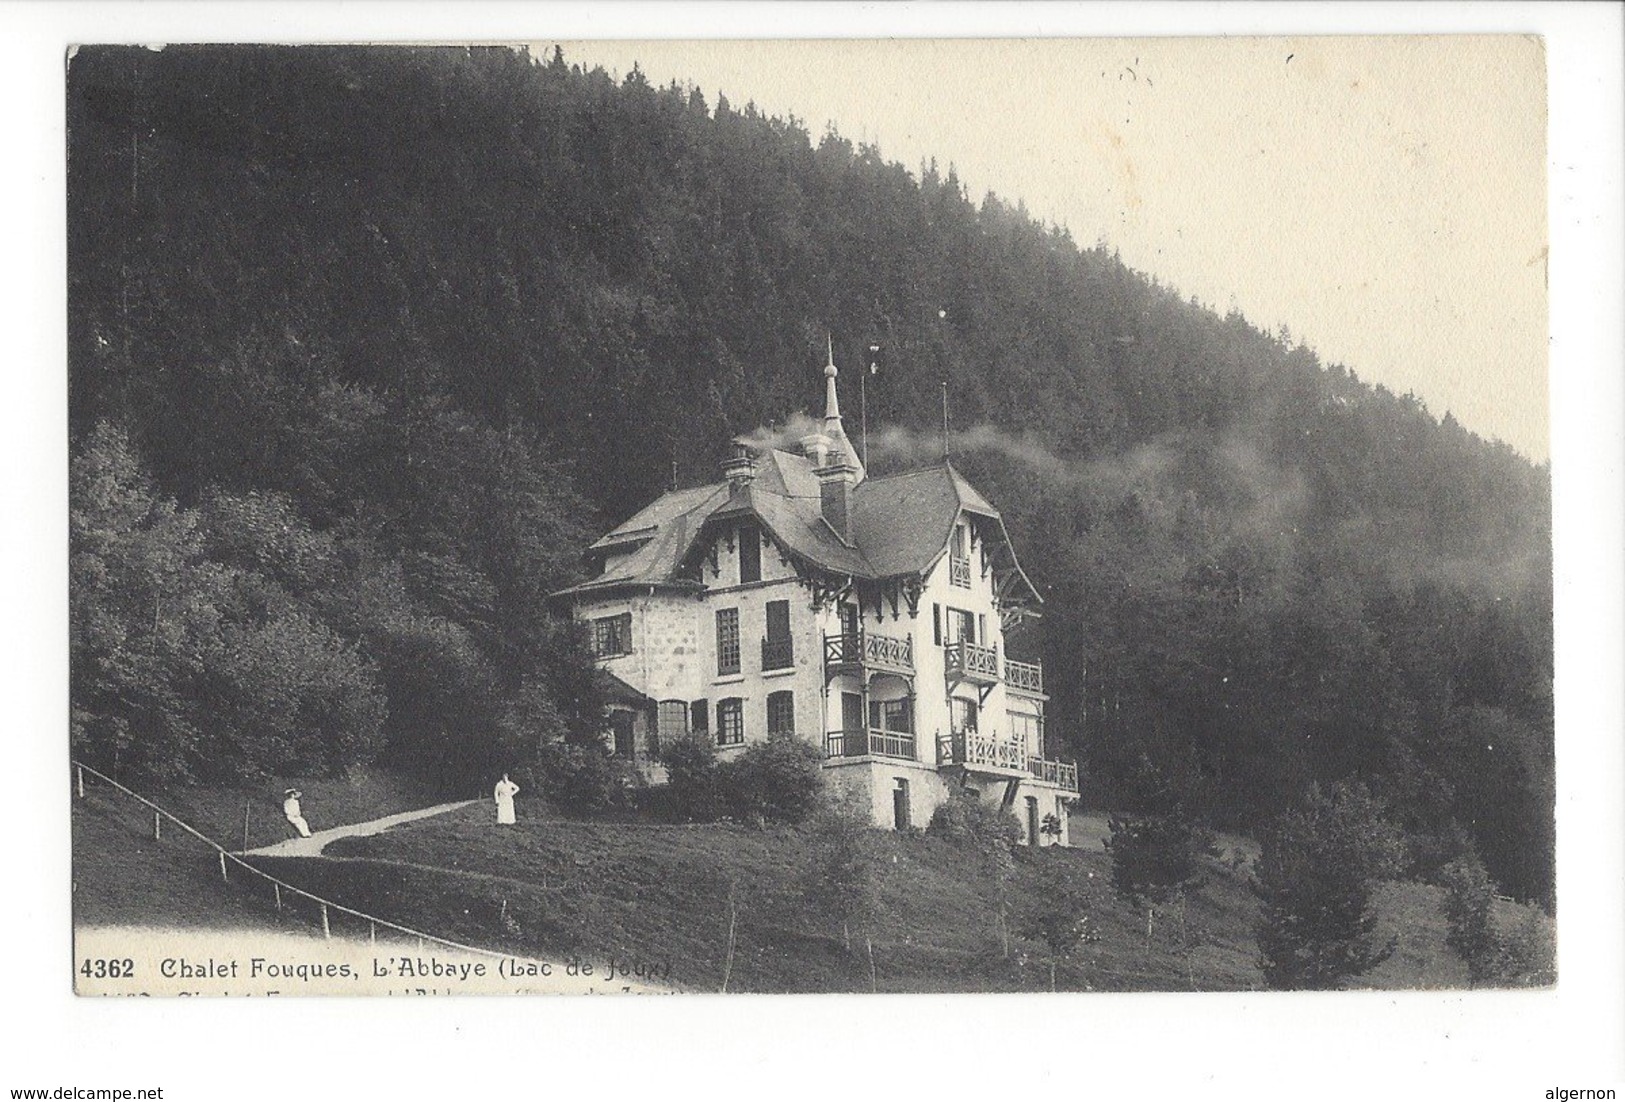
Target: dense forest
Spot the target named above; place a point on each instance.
(366, 343)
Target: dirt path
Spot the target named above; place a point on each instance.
(313, 846)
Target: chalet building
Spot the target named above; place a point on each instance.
(799, 598)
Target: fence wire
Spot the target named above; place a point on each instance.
(281, 889)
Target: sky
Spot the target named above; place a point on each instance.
(1384, 199)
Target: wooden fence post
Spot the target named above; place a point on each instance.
(278, 889)
(246, 805)
(223, 875)
(327, 931)
(157, 827)
(80, 772)
(372, 933)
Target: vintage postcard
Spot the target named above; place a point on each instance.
(864, 516)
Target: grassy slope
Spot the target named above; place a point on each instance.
(564, 887)
(658, 894)
(122, 875)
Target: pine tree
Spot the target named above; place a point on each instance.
(1315, 882)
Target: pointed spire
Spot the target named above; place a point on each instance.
(832, 405)
(840, 448)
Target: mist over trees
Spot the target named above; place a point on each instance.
(365, 344)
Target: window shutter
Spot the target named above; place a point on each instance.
(778, 620)
(936, 624)
(699, 715)
(626, 632)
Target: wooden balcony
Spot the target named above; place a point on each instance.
(1024, 677)
(882, 744)
(1060, 773)
(1007, 757)
(868, 650)
(970, 662)
(975, 750)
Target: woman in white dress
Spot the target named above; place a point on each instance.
(291, 811)
(504, 793)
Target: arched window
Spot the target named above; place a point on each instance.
(781, 713)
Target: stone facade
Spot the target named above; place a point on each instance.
(752, 609)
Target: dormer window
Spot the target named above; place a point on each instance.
(959, 556)
(750, 554)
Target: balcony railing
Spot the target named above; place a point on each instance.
(1062, 773)
(1024, 676)
(856, 744)
(867, 648)
(778, 654)
(975, 750)
(959, 572)
(969, 662)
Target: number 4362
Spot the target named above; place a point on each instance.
(103, 969)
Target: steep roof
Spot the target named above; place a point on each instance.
(657, 536)
(900, 525)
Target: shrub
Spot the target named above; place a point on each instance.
(841, 879)
(779, 781)
(1156, 857)
(1469, 895)
(968, 823)
(693, 780)
(585, 779)
(1526, 956)
(989, 834)
(1058, 916)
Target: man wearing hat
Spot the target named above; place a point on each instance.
(290, 808)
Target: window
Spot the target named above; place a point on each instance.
(1027, 730)
(959, 558)
(849, 618)
(699, 715)
(961, 626)
(892, 715)
(623, 728)
(612, 636)
(671, 723)
(964, 714)
(730, 722)
(901, 817)
(750, 553)
(727, 640)
(781, 713)
(777, 650)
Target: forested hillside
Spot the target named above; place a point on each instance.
(364, 345)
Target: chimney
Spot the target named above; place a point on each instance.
(740, 468)
(815, 446)
(835, 493)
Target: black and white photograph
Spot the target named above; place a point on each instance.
(1010, 522)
